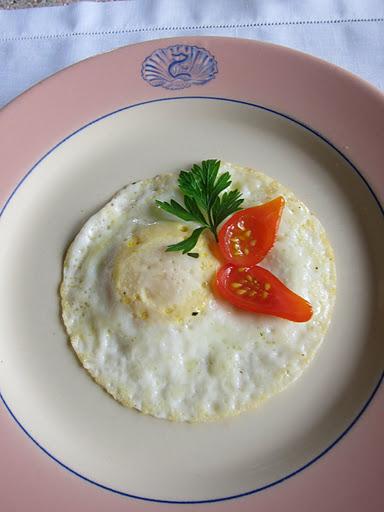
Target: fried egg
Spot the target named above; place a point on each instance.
(147, 326)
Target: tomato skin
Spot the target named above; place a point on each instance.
(248, 235)
(258, 290)
(215, 250)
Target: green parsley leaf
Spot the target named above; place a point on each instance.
(203, 204)
(176, 209)
(226, 205)
(188, 244)
(192, 207)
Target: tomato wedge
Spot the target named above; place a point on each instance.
(249, 234)
(258, 290)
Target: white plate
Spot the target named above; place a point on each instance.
(84, 428)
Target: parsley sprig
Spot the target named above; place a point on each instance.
(205, 201)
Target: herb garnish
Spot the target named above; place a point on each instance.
(204, 203)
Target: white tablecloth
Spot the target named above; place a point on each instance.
(34, 43)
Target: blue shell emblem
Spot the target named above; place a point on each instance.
(179, 66)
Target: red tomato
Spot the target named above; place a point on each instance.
(249, 234)
(258, 290)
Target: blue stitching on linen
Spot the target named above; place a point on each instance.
(192, 27)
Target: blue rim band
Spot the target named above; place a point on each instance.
(326, 450)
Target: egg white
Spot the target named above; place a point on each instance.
(147, 326)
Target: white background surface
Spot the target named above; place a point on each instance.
(34, 43)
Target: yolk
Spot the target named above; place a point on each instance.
(154, 283)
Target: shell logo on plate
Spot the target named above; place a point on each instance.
(179, 66)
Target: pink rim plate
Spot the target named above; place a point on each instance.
(327, 99)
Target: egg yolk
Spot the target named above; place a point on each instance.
(153, 282)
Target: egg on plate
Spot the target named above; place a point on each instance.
(147, 325)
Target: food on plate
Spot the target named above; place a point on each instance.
(151, 301)
(258, 290)
(248, 236)
(244, 240)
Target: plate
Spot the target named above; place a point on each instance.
(157, 107)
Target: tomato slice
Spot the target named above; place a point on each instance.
(258, 290)
(249, 234)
